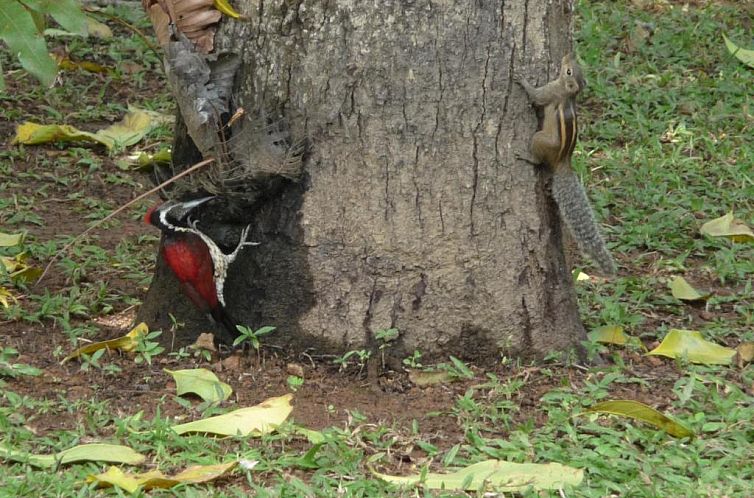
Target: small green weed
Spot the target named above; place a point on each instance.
(147, 348)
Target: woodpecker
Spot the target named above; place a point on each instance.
(196, 260)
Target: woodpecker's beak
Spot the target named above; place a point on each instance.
(189, 205)
(178, 211)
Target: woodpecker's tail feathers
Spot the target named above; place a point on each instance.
(575, 210)
(227, 325)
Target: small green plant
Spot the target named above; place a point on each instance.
(91, 360)
(413, 361)
(112, 369)
(181, 354)
(205, 354)
(294, 382)
(457, 369)
(175, 325)
(361, 356)
(13, 370)
(385, 337)
(251, 337)
(147, 348)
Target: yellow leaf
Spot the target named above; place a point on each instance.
(115, 477)
(728, 226)
(744, 353)
(132, 128)
(10, 240)
(99, 452)
(742, 54)
(645, 413)
(204, 473)
(9, 264)
(125, 343)
(609, 334)
(423, 378)
(496, 475)
(145, 160)
(26, 274)
(156, 479)
(201, 382)
(684, 291)
(17, 268)
(67, 64)
(6, 297)
(256, 420)
(95, 452)
(30, 133)
(314, 437)
(224, 7)
(690, 344)
(98, 29)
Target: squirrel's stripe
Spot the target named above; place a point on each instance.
(562, 132)
(567, 129)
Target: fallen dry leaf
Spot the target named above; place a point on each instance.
(126, 343)
(256, 420)
(156, 479)
(497, 475)
(689, 344)
(640, 411)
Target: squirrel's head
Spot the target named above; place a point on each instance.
(571, 75)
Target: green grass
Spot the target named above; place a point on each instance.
(666, 145)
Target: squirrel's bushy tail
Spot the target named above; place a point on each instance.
(575, 210)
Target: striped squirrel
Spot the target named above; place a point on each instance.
(553, 145)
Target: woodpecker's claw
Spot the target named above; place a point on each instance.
(245, 235)
(241, 244)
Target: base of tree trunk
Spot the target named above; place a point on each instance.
(414, 212)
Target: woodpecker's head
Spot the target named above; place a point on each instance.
(172, 215)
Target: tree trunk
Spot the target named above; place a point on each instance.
(413, 212)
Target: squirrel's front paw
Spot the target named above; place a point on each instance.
(523, 156)
(521, 81)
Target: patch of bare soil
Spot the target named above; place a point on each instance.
(327, 398)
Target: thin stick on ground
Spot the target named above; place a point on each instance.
(83, 234)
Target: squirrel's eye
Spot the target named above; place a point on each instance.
(569, 72)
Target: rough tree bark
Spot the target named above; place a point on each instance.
(413, 212)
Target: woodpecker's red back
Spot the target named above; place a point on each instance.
(189, 258)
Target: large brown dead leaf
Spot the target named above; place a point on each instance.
(160, 21)
(194, 18)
